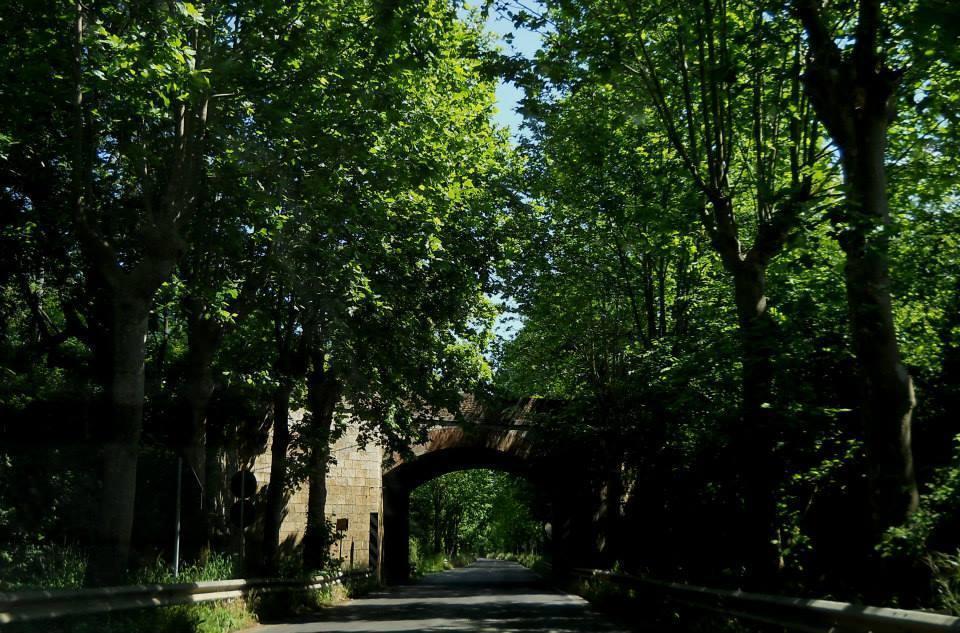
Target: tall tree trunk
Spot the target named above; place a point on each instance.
(276, 490)
(888, 399)
(715, 150)
(755, 442)
(203, 339)
(648, 296)
(681, 295)
(121, 446)
(437, 518)
(609, 543)
(323, 393)
(662, 295)
(131, 293)
(854, 95)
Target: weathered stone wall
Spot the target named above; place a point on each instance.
(354, 487)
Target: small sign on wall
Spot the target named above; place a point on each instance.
(342, 525)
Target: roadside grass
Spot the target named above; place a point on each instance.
(225, 616)
(534, 562)
(945, 571)
(41, 566)
(210, 617)
(432, 563)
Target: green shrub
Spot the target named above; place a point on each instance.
(41, 566)
(59, 568)
(431, 563)
(362, 586)
(939, 503)
(945, 570)
(211, 566)
(534, 562)
(462, 559)
(210, 617)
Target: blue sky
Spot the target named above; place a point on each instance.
(526, 43)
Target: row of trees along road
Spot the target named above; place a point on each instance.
(257, 204)
(734, 249)
(709, 176)
(475, 513)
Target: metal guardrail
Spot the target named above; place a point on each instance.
(23, 606)
(797, 614)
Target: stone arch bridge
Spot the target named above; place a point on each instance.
(372, 501)
(505, 441)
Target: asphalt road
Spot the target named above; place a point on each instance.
(487, 596)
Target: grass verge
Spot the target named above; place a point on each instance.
(224, 616)
(533, 562)
(432, 563)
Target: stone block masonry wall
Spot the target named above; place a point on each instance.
(295, 517)
(354, 484)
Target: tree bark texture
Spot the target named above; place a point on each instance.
(276, 490)
(755, 442)
(853, 94)
(888, 398)
(323, 393)
(203, 339)
(130, 283)
(121, 446)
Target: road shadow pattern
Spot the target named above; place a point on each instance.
(487, 596)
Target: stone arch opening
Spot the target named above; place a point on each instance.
(401, 480)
